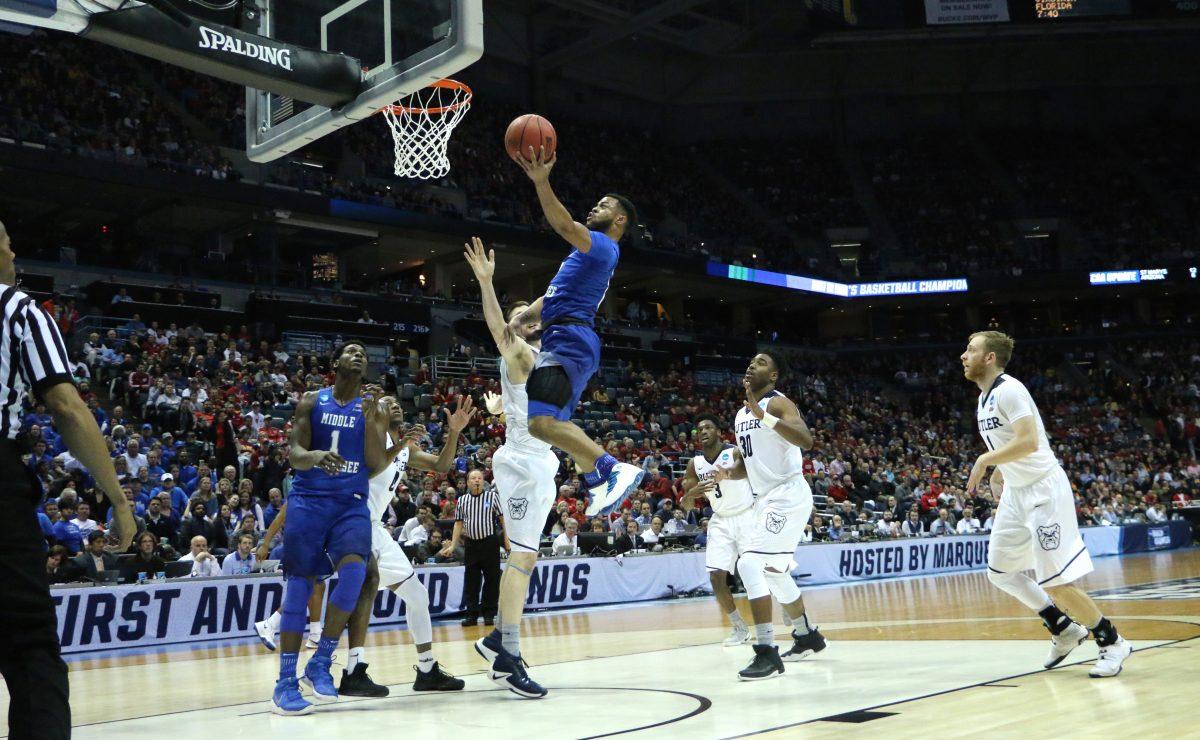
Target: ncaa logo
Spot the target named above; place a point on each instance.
(775, 522)
(517, 507)
(1049, 537)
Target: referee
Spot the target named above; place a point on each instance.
(33, 359)
(477, 518)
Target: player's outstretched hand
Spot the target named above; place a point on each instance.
(330, 462)
(464, 410)
(537, 165)
(494, 403)
(482, 262)
(752, 400)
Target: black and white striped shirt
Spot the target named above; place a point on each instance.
(33, 356)
(479, 514)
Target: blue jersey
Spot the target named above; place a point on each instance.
(341, 429)
(578, 289)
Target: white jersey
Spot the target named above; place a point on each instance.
(383, 486)
(731, 496)
(1005, 402)
(771, 460)
(516, 414)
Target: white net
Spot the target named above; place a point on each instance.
(421, 126)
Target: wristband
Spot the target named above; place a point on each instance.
(770, 420)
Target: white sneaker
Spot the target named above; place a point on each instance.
(610, 494)
(1111, 658)
(265, 633)
(1062, 644)
(737, 636)
(312, 641)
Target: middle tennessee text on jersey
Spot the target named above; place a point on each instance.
(341, 429)
(578, 288)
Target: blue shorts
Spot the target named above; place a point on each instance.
(576, 349)
(321, 530)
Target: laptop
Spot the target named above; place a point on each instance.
(107, 577)
(266, 566)
(591, 543)
(179, 569)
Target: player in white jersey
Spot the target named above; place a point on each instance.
(732, 521)
(770, 436)
(389, 567)
(1035, 525)
(524, 471)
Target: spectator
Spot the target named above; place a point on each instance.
(941, 526)
(204, 563)
(913, 526)
(677, 524)
(968, 524)
(653, 535)
(146, 559)
(836, 532)
(96, 560)
(702, 537)
(629, 540)
(241, 561)
(199, 525)
(163, 525)
(430, 550)
(883, 527)
(82, 520)
(58, 565)
(567, 543)
(66, 530)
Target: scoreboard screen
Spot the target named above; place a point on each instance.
(1066, 9)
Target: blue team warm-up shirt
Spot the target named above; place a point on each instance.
(578, 289)
(341, 429)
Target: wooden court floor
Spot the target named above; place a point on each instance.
(941, 656)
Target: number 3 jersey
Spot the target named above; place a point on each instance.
(771, 461)
(384, 485)
(731, 496)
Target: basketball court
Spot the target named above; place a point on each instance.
(904, 656)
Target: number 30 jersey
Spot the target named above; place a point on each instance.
(384, 485)
(731, 496)
(771, 460)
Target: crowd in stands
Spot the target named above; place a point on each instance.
(197, 426)
(944, 200)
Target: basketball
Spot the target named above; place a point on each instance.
(530, 130)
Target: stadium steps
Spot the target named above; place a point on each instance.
(883, 236)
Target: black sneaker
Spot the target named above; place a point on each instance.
(358, 683)
(470, 621)
(437, 680)
(489, 621)
(804, 646)
(766, 664)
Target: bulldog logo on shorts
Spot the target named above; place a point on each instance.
(775, 522)
(517, 507)
(1049, 537)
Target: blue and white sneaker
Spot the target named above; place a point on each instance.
(622, 480)
(319, 680)
(489, 646)
(508, 672)
(287, 700)
(265, 634)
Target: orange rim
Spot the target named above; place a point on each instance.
(446, 84)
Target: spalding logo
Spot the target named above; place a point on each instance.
(275, 56)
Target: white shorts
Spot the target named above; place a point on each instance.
(779, 519)
(727, 538)
(394, 565)
(525, 481)
(1035, 527)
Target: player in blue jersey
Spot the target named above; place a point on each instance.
(337, 439)
(570, 351)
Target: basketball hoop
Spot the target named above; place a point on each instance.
(421, 125)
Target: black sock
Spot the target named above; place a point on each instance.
(1104, 632)
(1054, 619)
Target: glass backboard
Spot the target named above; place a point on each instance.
(402, 46)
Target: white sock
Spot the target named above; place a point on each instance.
(314, 630)
(357, 655)
(425, 661)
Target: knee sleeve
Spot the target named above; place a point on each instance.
(1022, 588)
(783, 587)
(416, 609)
(751, 567)
(549, 384)
(294, 610)
(349, 585)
